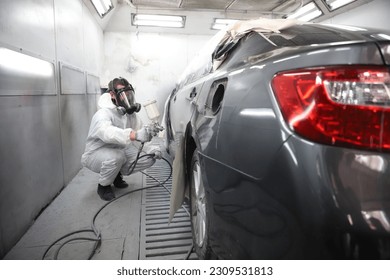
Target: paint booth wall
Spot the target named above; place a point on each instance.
(152, 62)
(51, 54)
(374, 14)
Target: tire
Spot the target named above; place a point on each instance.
(199, 210)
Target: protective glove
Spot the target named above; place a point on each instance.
(155, 128)
(152, 129)
(144, 134)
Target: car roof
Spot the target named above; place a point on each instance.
(279, 33)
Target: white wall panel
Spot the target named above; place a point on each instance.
(31, 171)
(32, 75)
(374, 14)
(45, 131)
(69, 31)
(74, 129)
(152, 62)
(93, 44)
(72, 80)
(28, 24)
(93, 93)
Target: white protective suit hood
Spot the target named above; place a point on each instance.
(105, 101)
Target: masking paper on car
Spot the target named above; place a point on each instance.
(234, 32)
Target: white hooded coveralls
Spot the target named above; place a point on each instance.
(108, 148)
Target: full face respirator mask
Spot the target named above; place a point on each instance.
(125, 97)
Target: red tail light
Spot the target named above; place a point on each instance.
(343, 106)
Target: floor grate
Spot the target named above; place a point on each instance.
(160, 239)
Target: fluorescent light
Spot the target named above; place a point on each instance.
(306, 13)
(285, 6)
(22, 63)
(102, 6)
(107, 4)
(334, 4)
(220, 23)
(158, 20)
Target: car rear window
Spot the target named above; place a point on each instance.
(307, 34)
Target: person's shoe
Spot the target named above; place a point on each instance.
(119, 182)
(105, 192)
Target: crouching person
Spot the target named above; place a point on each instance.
(114, 138)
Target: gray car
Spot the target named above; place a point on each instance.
(283, 130)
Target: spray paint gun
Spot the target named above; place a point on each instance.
(153, 114)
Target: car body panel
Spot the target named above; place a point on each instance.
(273, 194)
(184, 99)
(385, 50)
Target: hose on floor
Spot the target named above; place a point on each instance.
(94, 230)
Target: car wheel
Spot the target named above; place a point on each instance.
(199, 212)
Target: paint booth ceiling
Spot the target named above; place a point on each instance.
(277, 8)
(225, 5)
(200, 13)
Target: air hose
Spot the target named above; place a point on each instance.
(97, 235)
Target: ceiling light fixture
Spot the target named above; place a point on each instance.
(306, 13)
(220, 23)
(334, 4)
(287, 6)
(102, 6)
(158, 20)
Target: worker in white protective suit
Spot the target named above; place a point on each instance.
(114, 138)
